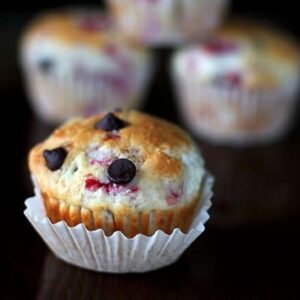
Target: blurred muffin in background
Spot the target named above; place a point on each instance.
(166, 22)
(239, 86)
(76, 64)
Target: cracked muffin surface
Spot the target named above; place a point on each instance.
(124, 171)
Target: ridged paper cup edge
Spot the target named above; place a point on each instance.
(94, 250)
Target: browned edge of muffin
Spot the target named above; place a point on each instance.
(130, 225)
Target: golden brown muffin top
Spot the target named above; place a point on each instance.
(243, 54)
(263, 37)
(169, 168)
(81, 26)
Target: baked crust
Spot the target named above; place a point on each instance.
(130, 223)
(261, 58)
(63, 26)
(159, 149)
(273, 41)
(275, 55)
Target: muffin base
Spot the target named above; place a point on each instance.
(129, 224)
(56, 99)
(169, 22)
(116, 253)
(236, 117)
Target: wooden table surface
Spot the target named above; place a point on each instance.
(250, 247)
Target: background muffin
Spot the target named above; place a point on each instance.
(239, 86)
(125, 171)
(75, 63)
(163, 22)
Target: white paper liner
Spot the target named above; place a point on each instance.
(116, 253)
(225, 112)
(167, 22)
(58, 97)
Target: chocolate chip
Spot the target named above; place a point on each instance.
(121, 171)
(55, 158)
(110, 122)
(45, 65)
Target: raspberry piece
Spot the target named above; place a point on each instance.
(231, 80)
(219, 47)
(92, 184)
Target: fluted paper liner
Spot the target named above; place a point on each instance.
(261, 116)
(165, 22)
(57, 98)
(116, 253)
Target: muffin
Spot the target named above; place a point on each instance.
(166, 22)
(239, 86)
(76, 64)
(124, 171)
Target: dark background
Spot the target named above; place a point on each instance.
(255, 258)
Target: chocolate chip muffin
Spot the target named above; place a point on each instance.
(125, 171)
(76, 63)
(240, 86)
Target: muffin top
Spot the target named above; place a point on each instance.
(82, 46)
(243, 54)
(124, 159)
(74, 27)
